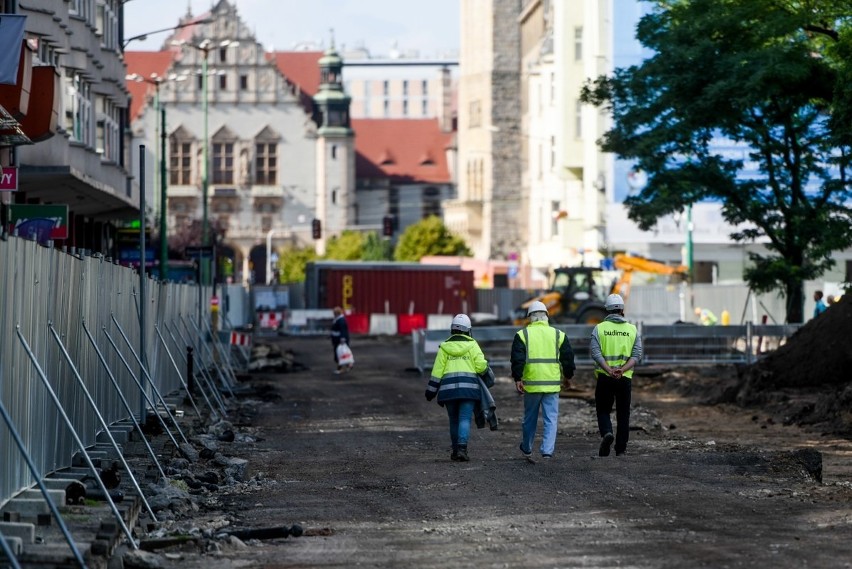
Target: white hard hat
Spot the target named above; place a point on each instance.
(461, 323)
(536, 306)
(614, 302)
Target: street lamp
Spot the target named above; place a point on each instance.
(156, 80)
(204, 47)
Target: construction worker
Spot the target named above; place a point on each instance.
(541, 357)
(615, 348)
(455, 380)
(706, 316)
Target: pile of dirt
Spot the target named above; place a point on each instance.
(808, 377)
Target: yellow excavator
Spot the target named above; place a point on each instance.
(577, 294)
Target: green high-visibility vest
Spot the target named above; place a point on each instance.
(542, 370)
(617, 339)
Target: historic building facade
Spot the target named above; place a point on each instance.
(285, 161)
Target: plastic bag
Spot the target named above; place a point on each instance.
(344, 355)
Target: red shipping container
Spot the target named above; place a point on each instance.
(358, 323)
(409, 322)
(389, 288)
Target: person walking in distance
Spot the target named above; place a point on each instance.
(339, 335)
(819, 305)
(615, 348)
(455, 380)
(541, 358)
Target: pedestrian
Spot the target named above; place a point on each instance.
(706, 316)
(339, 335)
(615, 348)
(541, 358)
(455, 380)
(819, 306)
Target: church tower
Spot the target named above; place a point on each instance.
(335, 150)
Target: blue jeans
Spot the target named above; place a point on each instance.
(460, 412)
(549, 404)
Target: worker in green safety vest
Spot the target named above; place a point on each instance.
(615, 348)
(541, 358)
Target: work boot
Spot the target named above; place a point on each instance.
(455, 455)
(462, 454)
(606, 442)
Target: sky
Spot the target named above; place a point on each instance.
(431, 28)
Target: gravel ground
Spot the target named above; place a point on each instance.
(361, 463)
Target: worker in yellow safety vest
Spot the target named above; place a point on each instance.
(541, 357)
(615, 348)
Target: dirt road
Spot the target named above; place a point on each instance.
(361, 461)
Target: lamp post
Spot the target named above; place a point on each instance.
(205, 47)
(160, 158)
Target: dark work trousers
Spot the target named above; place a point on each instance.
(608, 391)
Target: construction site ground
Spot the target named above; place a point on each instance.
(361, 462)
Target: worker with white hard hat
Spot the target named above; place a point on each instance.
(615, 348)
(455, 380)
(541, 358)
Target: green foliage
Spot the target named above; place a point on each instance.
(345, 247)
(770, 75)
(292, 262)
(429, 237)
(376, 248)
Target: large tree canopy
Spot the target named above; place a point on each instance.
(769, 75)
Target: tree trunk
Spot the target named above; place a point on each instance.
(794, 291)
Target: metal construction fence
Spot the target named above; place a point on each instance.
(72, 360)
(673, 344)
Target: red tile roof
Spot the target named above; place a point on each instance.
(404, 150)
(301, 68)
(145, 64)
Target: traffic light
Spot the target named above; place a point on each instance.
(387, 226)
(316, 228)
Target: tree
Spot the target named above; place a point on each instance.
(345, 247)
(376, 248)
(429, 237)
(768, 75)
(292, 262)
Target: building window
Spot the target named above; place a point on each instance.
(578, 119)
(554, 219)
(405, 88)
(107, 130)
(386, 88)
(223, 162)
(243, 82)
(431, 201)
(180, 162)
(199, 82)
(107, 24)
(79, 121)
(578, 43)
(266, 163)
(424, 88)
(475, 112)
(386, 108)
(223, 82)
(405, 108)
(425, 108)
(223, 54)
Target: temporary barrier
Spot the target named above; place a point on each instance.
(73, 337)
(406, 323)
(677, 344)
(240, 339)
(383, 324)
